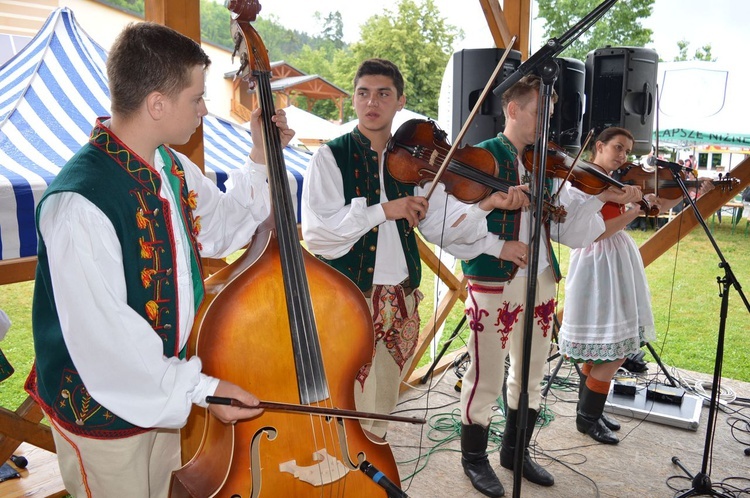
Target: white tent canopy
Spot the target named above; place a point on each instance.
(308, 126)
(703, 103)
(50, 95)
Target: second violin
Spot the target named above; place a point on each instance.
(583, 175)
(661, 181)
(416, 151)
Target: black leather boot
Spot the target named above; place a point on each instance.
(610, 422)
(475, 462)
(532, 471)
(589, 416)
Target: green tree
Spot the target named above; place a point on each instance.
(620, 26)
(215, 22)
(418, 40)
(333, 28)
(133, 6)
(701, 54)
(320, 61)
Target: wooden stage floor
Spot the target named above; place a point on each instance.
(640, 466)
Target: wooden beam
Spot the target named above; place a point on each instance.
(514, 18)
(499, 28)
(23, 425)
(17, 270)
(183, 16)
(682, 224)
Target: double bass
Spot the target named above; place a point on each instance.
(289, 328)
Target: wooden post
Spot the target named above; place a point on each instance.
(183, 16)
(514, 18)
(685, 221)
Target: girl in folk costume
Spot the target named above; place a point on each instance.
(607, 301)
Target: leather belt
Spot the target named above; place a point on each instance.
(404, 284)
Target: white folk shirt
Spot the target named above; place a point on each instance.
(583, 224)
(118, 355)
(330, 227)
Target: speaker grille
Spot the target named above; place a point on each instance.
(620, 91)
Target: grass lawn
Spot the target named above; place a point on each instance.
(684, 291)
(685, 300)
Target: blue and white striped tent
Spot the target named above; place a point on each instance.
(51, 93)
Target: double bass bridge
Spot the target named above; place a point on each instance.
(327, 470)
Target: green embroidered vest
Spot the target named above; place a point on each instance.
(127, 192)
(506, 224)
(360, 172)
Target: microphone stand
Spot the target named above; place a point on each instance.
(543, 63)
(553, 47)
(447, 344)
(702, 481)
(548, 73)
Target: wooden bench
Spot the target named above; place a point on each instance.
(40, 478)
(23, 434)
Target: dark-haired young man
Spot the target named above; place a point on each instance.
(360, 220)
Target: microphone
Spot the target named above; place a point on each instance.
(655, 161)
(381, 480)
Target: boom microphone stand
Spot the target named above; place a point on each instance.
(447, 344)
(702, 481)
(542, 62)
(548, 73)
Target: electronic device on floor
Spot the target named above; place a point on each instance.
(685, 414)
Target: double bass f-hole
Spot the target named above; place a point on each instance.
(272, 323)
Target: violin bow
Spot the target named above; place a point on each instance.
(449, 156)
(656, 150)
(313, 410)
(575, 161)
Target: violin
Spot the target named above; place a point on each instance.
(416, 151)
(661, 181)
(583, 175)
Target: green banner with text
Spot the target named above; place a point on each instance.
(689, 137)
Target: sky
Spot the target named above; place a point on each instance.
(721, 25)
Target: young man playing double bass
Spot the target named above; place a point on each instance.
(360, 220)
(121, 231)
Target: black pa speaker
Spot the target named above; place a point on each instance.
(567, 116)
(472, 69)
(620, 91)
